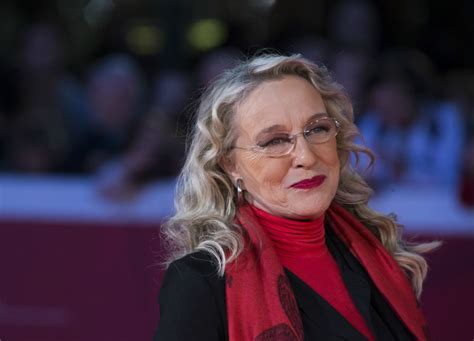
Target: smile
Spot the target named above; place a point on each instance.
(309, 183)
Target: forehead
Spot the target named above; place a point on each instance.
(288, 102)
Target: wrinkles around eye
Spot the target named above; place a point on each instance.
(274, 141)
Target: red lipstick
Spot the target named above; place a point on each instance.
(309, 183)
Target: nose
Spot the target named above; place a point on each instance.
(303, 153)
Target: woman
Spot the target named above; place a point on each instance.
(272, 238)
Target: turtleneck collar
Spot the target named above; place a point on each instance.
(293, 238)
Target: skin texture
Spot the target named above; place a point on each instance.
(289, 103)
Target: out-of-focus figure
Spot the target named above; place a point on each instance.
(115, 95)
(157, 145)
(213, 63)
(418, 139)
(45, 103)
(315, 48)
(354, 24)
(352, 68)
(460, 88)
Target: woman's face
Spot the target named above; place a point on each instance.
(277, 185)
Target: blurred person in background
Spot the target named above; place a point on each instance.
(314, 48)
(417, 137)
(171, 95)
(157, 147)
(354, 24)
(213, 63)
(115, 97)
(460, 88)
(44, 105)
(352, 68)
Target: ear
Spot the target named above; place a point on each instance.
(228, 165)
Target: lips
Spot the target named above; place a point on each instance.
(309, 183)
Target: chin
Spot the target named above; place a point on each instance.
(312, 207)
(307, 213)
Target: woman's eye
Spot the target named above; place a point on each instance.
(322, 128)
(274, 142)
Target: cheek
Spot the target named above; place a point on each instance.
(330, 156)
(329, 162)
(334, 170)
(263, 175)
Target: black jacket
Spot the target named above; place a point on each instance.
(192, 302)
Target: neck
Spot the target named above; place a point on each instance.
(293, 238)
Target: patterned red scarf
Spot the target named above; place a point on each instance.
(260, 301)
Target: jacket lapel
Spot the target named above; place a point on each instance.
(356, 284)
(317, 311)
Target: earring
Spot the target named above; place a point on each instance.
(240, 192)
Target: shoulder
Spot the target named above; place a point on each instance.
(193, 275)
(192, 300)
(199, 264)
(197, 267)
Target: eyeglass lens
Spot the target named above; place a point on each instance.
(315, 132)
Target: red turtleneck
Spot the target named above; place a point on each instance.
(301, 248)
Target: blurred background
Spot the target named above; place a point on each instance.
(96, 98)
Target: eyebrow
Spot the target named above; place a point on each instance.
(276, 127)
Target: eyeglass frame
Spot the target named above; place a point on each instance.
(293, 138)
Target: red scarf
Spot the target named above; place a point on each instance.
(260, 301)
(301, 248)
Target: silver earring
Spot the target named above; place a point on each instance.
(240, 192)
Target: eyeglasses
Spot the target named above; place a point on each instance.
(316, 131)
